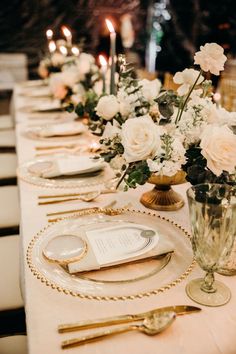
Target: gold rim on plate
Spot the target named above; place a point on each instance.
(139, 295)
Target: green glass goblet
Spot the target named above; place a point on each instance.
(212, 210)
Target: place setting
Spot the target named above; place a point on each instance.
(66, 130)
(118, 172)
(110, 254)
(66, 171)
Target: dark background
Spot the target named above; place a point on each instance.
(193, 22)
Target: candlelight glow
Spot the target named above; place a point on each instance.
(102, 60)
(66, 31)
(49, 34)
(75, 51)
(52, 46)
(63, 50)
(217, 97)
(110, 26)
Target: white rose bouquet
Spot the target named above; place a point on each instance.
(151, 131)
(77, 75)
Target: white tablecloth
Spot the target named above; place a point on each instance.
(210, 332)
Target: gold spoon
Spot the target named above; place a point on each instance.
(85, 198)
(151, 326)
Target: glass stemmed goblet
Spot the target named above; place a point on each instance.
(212, 210)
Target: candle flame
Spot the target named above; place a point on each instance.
(217, 97)
(52, 46)
(66, 31)
(49, 34)
(63, 50)
(102, 60)
(75, 51)
(110, 26)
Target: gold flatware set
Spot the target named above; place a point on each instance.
(152, 323)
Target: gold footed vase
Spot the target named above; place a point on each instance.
(162, 196)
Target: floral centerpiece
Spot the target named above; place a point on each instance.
(77, 76)
(162, 134)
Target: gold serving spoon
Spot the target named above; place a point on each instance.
(151, 326)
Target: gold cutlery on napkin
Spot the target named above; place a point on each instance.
(114, 320)
(151, 325)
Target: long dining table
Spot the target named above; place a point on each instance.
(210, 331)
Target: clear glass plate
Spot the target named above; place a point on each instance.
(127, 281)
(76, 181)
(33, 134)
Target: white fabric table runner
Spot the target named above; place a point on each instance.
(210, 332)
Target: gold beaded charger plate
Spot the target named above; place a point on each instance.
(78, 130)
(127, 281)
(28, 172)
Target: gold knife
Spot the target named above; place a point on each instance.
(108, 321)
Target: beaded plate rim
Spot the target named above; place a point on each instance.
(109, 211)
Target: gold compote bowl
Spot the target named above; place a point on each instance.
(162, 196)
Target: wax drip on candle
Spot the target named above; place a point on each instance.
(103, 63)
(112, 54)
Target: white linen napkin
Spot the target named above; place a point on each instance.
(93, 260)
(67, 165)
(44, 106)
(62, 129)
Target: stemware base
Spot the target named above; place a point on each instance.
(220, 297)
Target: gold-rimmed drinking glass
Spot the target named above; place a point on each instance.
(212, 210)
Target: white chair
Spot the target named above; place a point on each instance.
(6, 122)
(8, 164)
(9, 208)
(13, 69)
(7, 139)
(13, 345)
(10, 295)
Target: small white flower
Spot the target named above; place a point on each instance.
(140, 138)
(168, 164)
(57, 59)
(117, 162)
(84, 64)
(111, 130)
(150, 88)
(211, 58)
(186, 79)
(221, 116)
(218, 146)
(107, 107)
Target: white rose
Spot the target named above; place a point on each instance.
(69, 78)
(150, 88)
(111, 130)
(57, 59)
(186, 79)
(218, 146)
(140, 138)
(211, 58)
(84, 64)
(107, 107)
(57, 86)
(97, 87)
(221, 116)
